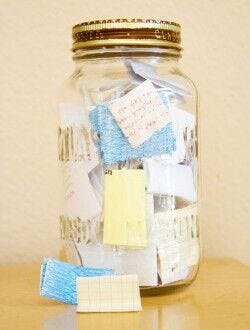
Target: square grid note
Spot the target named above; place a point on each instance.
(108, 294)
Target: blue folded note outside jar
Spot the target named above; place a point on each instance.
(114, 147)
(58, 279)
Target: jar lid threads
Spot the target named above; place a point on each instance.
(126, 32)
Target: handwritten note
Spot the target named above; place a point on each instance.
(125, 208)
(140, 113)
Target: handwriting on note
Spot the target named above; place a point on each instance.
(140, 113)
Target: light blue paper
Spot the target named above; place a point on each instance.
(114, 147)
(58, 279)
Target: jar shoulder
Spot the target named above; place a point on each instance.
(104, 78)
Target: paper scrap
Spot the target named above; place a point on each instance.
(108, 294)
(140, 113)
(183, 124)
(96, 179)
(176, 226)
(125, 208)
(169, 179)
(148, 71)
(142, 262)
(74, 139)
(184, 128)
(176, 237)
(175, 260)
(80, 200)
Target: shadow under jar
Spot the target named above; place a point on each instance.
(128, 153)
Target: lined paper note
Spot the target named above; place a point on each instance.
(125, 208)
(140, 113)
(108, 294)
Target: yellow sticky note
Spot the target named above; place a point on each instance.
(125, 208)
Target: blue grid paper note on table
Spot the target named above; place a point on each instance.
(114, 147)
(58, 279)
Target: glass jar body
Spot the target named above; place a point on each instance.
(128, 151)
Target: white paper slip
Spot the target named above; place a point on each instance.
(184, 128)
(96, 177)
(148, 71)
(101, 256)
(79, 198)
(75, 139)
(168, 275)
(169, 179)
(142, 262)
(176, 226)
(108, 294)
(140, 113)
(175, 260)
(176, 237)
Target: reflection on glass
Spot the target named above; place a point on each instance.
(159, 313)
(64, 320)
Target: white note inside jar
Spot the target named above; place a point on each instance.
(80, 200)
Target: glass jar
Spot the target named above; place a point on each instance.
(128, 152)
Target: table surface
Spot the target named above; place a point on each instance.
(219, 298)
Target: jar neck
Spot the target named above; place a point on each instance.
(170, 54)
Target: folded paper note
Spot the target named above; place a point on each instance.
(169, 179)
(58, 279)
(80, 200)
(124, 208)
(108, 294)
(114, 147)
(140, 113)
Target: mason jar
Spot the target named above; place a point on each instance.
(128, 152)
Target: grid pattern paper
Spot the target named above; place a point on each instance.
(108, 294)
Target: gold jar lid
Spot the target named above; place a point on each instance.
(126, 32)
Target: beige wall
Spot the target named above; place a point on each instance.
(35, 39)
